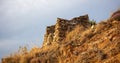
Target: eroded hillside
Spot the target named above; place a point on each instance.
(78, 40)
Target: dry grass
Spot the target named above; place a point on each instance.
(76, 33)
(22, 56)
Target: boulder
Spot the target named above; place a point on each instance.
(115, 16)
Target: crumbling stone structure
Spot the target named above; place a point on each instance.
(48, 37)
(57, 33)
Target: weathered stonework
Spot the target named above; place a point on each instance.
(48, 37)
(57, 32)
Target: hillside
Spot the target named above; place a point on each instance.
(78, 40)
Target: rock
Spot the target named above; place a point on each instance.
(57, 32)
(115, 15)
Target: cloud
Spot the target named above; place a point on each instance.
(20, 16)
(17, 15)
(15, 7)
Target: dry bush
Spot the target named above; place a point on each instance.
(35, 60)
(25, 59)
(11, 60)
(76, 33)
(19, 57)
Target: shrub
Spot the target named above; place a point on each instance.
(92, 22)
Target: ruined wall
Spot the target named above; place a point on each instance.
(48, 37)
(57, 33)
(60, 29)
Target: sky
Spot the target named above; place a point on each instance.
(23, 22)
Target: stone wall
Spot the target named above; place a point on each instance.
(48, 37)
(60, 29)
(57, 33)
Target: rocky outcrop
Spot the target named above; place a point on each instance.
(115, 15)
(48, 37)
(57, 33)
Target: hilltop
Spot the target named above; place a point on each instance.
(78, 40)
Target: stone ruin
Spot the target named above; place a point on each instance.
(56, 33)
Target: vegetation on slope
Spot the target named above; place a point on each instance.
(98, 43)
